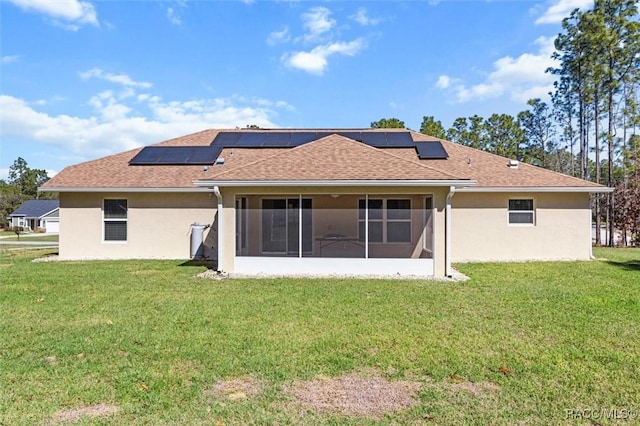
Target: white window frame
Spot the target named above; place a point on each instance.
(385, 219)
(532, 212)
(106, 219)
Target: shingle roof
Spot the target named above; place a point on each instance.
(331, 158)
(36, 208)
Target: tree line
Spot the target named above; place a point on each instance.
(21, 185)
(590, 127)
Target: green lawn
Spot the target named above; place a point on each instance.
(32, 237)
(517, 344)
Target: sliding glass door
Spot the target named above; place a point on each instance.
(281, 226)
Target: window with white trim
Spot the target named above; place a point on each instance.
(391, 224)
(115, 219)
(521, 212)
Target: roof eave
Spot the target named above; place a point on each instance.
(585, 189)
(335, 183)
(120, 189)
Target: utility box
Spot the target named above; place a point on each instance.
(197, 240)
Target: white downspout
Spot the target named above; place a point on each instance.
(447, 232)
(216, 191)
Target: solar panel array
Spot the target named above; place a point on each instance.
(176, 155)
(206, 155)
(293, 139)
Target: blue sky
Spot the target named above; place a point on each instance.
(84, 79)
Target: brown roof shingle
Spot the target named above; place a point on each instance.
(331, 158)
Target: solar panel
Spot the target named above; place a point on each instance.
(276, 140)
(374, 139)
(205, 155)
(227, 139)
(300, 138)
(251, 140)
(399, 140)
(432, 150)
(176, 155)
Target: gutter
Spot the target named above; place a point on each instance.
(562, 189)
(120, 189)
(334, 183)
(447, 232)
(216, 191)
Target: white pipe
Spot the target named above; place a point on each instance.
(216, 191)
(447, 232)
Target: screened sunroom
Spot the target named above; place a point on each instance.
(334, 233)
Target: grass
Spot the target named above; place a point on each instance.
(151, 339)
(33, 238)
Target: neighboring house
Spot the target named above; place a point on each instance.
(357, 201)
(37, 214)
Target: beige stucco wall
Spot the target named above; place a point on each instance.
(158, 225)
(228, 216)
(481, 231)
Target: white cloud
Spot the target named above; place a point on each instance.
(444, 81)
(9, 59)
(317, 22)
(173, 17)
(281, 36)
(120, 123)
(122, 79)
(520, 78)
(560, 9)
(70, 14)
(362, 18)
(315, 61)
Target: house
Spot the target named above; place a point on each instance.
(323, 201)
(37, 214)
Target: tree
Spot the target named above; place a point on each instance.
(388, 123)
(27, 180)
(572, 50)
(22, 185)
(539, 131)
(618, 35)
(599, 54)
(467, 132)
(503, 135)
(432, 127)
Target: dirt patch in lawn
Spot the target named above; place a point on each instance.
(95, 410)
(235, 389)
(355, 395)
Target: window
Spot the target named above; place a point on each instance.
(391, 224)
(521, 212)
(115, 220)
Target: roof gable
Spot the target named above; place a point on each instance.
(333, 157)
